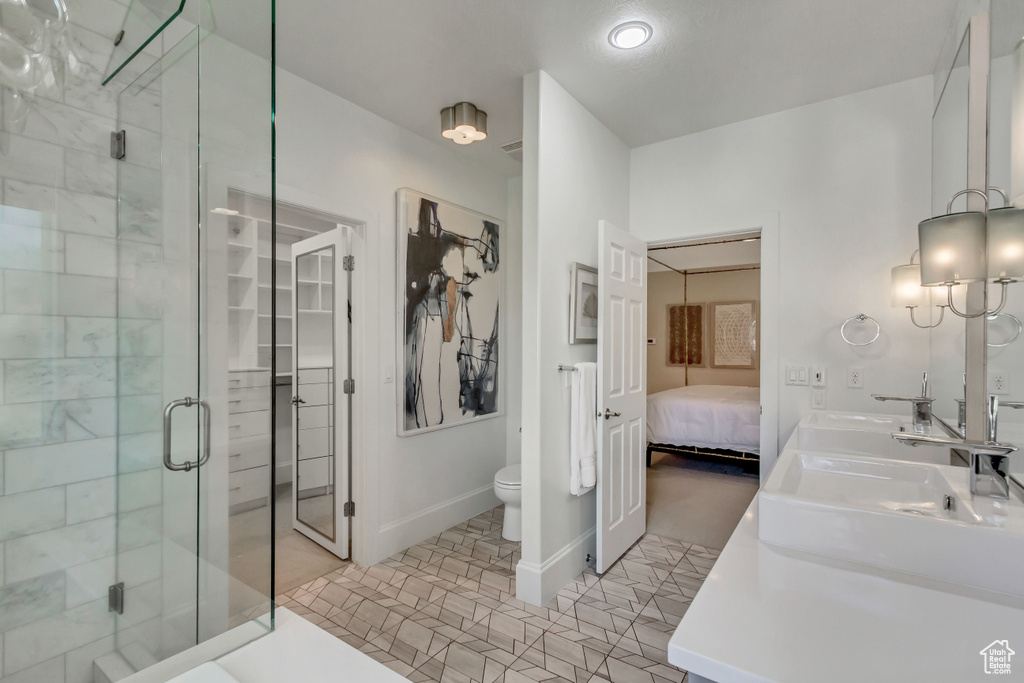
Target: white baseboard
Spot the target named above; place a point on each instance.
(538, 583)
(410, 530)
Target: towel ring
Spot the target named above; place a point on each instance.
(1016, 322)
(860, 317)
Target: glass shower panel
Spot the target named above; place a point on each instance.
(237, 375)
(159, 359)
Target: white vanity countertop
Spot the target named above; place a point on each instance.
(769, 614)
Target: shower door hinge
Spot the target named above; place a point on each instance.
(119, 37)
(115, 598)
(349, 386)
(349, 510)
(348, 262)
(117, 144)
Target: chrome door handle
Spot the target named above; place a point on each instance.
(296, 400)
(168, 418)
(609, 414)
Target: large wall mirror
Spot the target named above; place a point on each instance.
(1006, 171)
(949, 176)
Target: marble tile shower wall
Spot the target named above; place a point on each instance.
(61, 375)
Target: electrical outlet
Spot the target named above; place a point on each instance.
(999, 382)
(855, 378)
(817, 376)
(818, 399)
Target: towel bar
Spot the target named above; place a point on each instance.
(566, 368)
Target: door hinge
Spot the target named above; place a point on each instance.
(115, 598)
(349, 510)
(118, 144)
(349, 386)
(348, 262)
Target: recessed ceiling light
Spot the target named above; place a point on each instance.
(630, 35)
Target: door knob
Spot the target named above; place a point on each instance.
(609, 414)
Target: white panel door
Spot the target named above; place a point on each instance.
(621, 393)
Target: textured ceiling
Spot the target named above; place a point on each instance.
(710, 63)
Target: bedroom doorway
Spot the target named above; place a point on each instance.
(703, 385)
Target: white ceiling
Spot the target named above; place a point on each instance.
(704, 256)
(710, 63)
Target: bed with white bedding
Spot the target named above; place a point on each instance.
(705, 416)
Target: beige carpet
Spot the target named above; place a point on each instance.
(695, 501)
(299, 560)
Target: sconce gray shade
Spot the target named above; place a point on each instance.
(906, 286)
(1006, 244)
(952, 249)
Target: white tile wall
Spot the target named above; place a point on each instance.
(27, 469)
(89, 500)
(31, 644)
(59, 549)
(27, 601)
(22, 514)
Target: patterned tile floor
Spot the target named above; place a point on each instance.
(445, 610)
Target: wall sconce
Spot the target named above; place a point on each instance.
(463, 123)
(908, 292)
(954, 246)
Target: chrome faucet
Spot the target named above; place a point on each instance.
(994, 404)
(922, 405)
(989, 460)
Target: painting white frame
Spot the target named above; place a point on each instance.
(403, 196)
(580, 275)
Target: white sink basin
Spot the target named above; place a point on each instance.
(839, 420)
(862, 434)
(890, 514)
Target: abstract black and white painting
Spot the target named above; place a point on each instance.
(450, 286)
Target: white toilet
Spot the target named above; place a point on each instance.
(508, 487)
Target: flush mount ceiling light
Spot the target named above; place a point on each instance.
(463, 123)
(630, 35)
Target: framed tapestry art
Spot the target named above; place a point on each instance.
(449, 326)
(686, 335)
(734, 331)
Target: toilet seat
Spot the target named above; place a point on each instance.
(509, 477)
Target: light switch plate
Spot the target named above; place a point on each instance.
(796, 375)
(817, 376)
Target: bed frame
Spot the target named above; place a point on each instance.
(750, 462)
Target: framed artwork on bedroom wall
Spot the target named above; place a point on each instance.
(583, 305)
(734, 335)
(686, 333)
(450, 287)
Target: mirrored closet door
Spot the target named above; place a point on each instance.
(321, 388)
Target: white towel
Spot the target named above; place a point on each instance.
(583, 430)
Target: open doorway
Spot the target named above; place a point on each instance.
(301, 314)
(703, 386)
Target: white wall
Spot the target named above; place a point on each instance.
(665, 289)
(338, 158)
(513, 353)
(575, 173)
(850, 180)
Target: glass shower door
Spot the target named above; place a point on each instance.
(163, 425)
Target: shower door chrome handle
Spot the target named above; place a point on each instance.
(168, 410)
